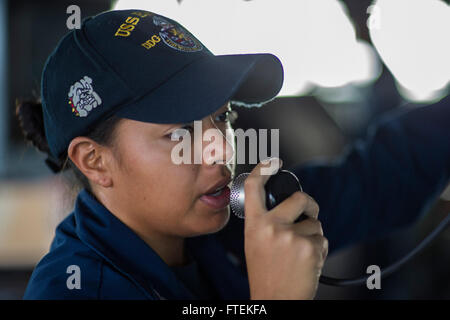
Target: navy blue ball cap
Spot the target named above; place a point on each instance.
(140, 65)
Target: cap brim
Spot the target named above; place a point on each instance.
(207, 84)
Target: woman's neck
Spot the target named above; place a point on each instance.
(171, 249)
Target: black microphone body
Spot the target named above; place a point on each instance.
(278, 188)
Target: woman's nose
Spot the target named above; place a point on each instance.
(218, 144)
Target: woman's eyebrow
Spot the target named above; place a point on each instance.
(177, 125)
(223, 109)
(170, 127)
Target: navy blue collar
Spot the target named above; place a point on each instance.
(104, 233)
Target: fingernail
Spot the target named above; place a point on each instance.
(274, 165)
(273, 160)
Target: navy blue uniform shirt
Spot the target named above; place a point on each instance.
(375, 187)
(115, 263)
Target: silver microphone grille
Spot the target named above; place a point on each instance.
(237, 195)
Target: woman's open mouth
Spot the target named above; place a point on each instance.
(219, 198)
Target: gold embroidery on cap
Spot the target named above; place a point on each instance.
(150, 43)
(142, 14)
(126, 28)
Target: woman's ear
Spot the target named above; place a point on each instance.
(92, 159)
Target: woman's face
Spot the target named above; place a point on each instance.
(154, 193)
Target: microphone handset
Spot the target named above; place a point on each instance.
(284, 183)
(278, 188)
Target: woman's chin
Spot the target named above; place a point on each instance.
(222, 219)
(214, 221)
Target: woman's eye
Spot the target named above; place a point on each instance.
(228, 116)
(178, 133)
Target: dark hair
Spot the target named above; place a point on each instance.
(31, 121)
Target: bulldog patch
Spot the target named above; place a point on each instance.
(83, 98)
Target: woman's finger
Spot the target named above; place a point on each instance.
(297, 204)
(255, 195)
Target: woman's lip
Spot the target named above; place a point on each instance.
(218, 185)
(217, 202)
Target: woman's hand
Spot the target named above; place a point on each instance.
(284, 260)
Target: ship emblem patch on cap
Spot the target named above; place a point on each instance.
(176, 37)
(83, 98)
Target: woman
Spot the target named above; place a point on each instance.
(116, 94)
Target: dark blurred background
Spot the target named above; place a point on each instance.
(315, 121)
